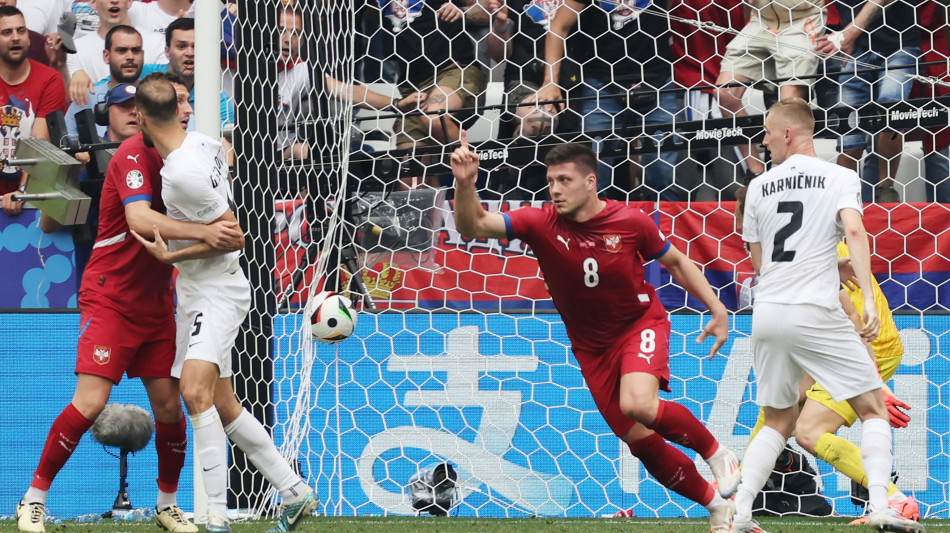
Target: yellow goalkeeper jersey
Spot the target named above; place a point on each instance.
(888, 342)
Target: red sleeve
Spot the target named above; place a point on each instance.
(522, 222)
(53, 93)
(131, 177)
(652, 241)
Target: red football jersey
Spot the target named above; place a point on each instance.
(593, 270)
(120, 270)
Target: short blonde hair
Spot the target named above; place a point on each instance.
(797, 111)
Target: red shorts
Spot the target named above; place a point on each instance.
(112, 344)
(644, 348)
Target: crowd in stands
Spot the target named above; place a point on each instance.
(607, 68)
(615, 71)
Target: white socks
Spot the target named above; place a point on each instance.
(254, 440)
(877, 458)
(35, 495)
(166, 500)
(757, 465)
(211, 445)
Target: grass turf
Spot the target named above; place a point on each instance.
(490, 525)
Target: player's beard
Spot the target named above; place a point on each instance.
(147, 140)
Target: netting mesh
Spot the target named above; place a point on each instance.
(342, 144)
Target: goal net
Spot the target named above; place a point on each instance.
(459, 356)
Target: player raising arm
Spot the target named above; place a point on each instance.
(590, 251)
(213, 299)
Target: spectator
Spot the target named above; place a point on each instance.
(893, 47)
(28, 92)
(125, 57)
(86, 66)
(120, 103)
(700, 51)
(435, 55)
(517, 39)
(180, 50)
(777, 44)
(154, 17)
(295, 84)
(42, 49)
(632, 57)
(933, 18)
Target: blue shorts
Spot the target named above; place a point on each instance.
(891, 85)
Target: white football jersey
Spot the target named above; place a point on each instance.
(792, 211)
(196, 188)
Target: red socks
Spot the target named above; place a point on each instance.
(672, 468)
(677, 424)
(171, 444)
(63, 437)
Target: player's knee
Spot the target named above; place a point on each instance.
(807, 435)
(640, 408)
(198, 398)
(90, 406)
(168, 410)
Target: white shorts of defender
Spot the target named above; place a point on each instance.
(790, 341)
(210, 313)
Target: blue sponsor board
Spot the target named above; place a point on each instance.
(500, 397)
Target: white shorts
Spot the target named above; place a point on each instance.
(790, 341)
(758, 52)
(210, 313)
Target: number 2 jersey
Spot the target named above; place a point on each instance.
(792, 211)
(121, 273)
(594, 270)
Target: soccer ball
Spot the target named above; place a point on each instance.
(332, 318)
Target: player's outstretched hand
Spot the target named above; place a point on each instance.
(846, 274)
(157, 248)
(464, 162)
(718, 327)
(895, 408)
(225, 235)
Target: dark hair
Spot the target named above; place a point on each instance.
(167, 76)
(10, 11)
(121, 28)
(577, 153)
(183, 24)
(156, 99)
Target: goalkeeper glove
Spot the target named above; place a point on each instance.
(895, 407)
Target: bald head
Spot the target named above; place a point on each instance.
(157, 100)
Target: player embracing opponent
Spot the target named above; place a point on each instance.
(793, 217)
(213, 299)
(591, 251)
(126, 327)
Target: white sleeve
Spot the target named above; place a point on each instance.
(750, 223)
(849, 192)
(190, 191)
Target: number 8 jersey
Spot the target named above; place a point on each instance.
(594, 270)
(792, 211)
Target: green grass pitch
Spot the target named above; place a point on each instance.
(492, 525)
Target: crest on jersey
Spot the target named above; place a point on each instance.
(612, 243)
(102, 354)
(134, 179)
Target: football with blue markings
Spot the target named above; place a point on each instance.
(332, 317)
